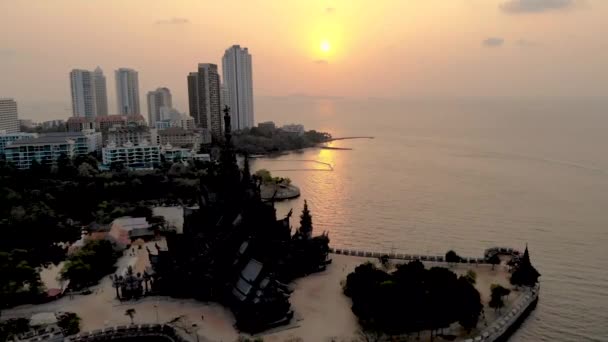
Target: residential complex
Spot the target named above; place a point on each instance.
(89, 94)
(45, 150)
(103, 123)
(9, 120)
(8, 138)
(134, 134)
(236, 75)
(127, 91)
(86, 141)
(180, 137)
(173, 118)
(143, 155)
(158, 100)
(204, 98)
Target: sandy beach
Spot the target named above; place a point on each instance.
(322, 312)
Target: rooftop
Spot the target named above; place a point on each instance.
(130, 223)
(40, 140)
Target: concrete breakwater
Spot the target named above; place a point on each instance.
(506, 323)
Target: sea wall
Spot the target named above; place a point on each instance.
(511, 318)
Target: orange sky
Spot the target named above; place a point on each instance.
(378, 48)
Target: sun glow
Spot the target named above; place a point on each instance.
(325, 46)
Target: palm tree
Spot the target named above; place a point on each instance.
(130, 312)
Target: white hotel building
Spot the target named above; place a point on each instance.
(143, 155)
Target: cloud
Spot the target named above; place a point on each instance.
(321, 61)
(172, 21)
(330, 10)
(536, 6)
(493, 42)
(526, 43)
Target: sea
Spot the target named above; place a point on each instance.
(464, 174)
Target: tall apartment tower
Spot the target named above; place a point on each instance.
(88, 90)
(101, 92)
(204, 98)
(127, 91)
(158, 99)
(9, 120)
(83, 93)
(236, 72)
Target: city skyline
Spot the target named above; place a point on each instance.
(322, 48)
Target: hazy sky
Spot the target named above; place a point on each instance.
(377, 48)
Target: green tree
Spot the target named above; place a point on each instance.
(494, 260)
(131, 313)
(451, 257)
(306, 221)
(264, 175)
(525, 274)
(497, 296)
(471, 277)
(69, 322)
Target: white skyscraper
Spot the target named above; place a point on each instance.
(236, 67)
(157, 100)
(9, 120)
(127, 91)
(83, 93)
(101, 92)
(89, 96)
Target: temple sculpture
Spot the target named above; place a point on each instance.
(235, 251)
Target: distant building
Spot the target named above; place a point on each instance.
(8, 138)
(157, 100)
(85, 142)
(9, 119)
(45, 150)
(27, 123)
(127, 91)
(120, 135)
(101, 92)
(89, 93)
(293, 128)
(103, 123)
(267, 126)
(204, 98)
(173, 118)
(124, 230)
(83, 93)
(143, 155)
(224, 96)
(180, 137)
(52, 124)
(237, 77)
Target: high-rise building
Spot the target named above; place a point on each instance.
(101, 92)
(236, 74)
(157, 100)
(127, 91)
(9, 120)
(204, 98)
(89, 95)
(83, 93)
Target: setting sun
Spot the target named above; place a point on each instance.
(325, 46)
